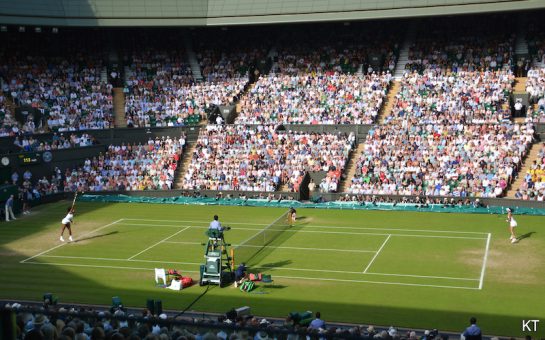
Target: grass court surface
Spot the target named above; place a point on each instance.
(408, 269)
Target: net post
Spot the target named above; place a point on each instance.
(232, 258)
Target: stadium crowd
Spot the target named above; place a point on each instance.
(229, 59)
(57, 93)
(535, 86)
(533, 187)
(338, 79)
(441, 97)
(148, 166)
(160, 91)
(451, 114)
(118, 323)
(450, 131)
(441, 160)
(8, 124)
(57, 142)
(238, 157)
(350, 49)
(321, 98)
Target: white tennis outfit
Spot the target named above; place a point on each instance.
(512, 222)
(68, 218)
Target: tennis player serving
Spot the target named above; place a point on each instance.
(67, 222)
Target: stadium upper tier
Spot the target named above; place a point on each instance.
(450, 45)
(239, 12)
(160, 91)
(323, 98)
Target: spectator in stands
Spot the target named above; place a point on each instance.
(473, 332)
(317, 323)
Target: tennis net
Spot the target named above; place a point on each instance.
(250, 248)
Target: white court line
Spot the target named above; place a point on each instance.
(376, 254)
(120, 260)
(326, 232)
(424, 276)
(163, 240)
(294, 248)
(278, 276)
(62, 244)
(481, 280)
(162, 225)
(319, 226)
(378, 282)
(360, 273)
(98, 266)
(268, 268)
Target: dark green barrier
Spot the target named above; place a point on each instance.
(468, 209)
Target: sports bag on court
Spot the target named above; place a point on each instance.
(247, 286)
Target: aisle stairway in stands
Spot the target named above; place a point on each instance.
(520, 85)
(350, 170)
(104, 75)
(187, 157)
(519, 88)
(530, 158)
(404, 50)
(192, 59)
(10, 105)
(389, 101)
(284, 188)
(119, 108)
(273, 54)
(521, 44)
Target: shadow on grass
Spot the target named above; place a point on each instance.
(276, 264)
(270, 238)
(527, 235)
(273, 286)
(96, 236)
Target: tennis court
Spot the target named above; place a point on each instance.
(355, 253)
(363, 267)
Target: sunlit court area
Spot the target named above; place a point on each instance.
(182, 169)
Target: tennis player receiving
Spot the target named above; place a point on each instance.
(512, 225)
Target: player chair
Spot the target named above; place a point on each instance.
(160, 274)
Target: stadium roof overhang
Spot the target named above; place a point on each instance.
(111, 13)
